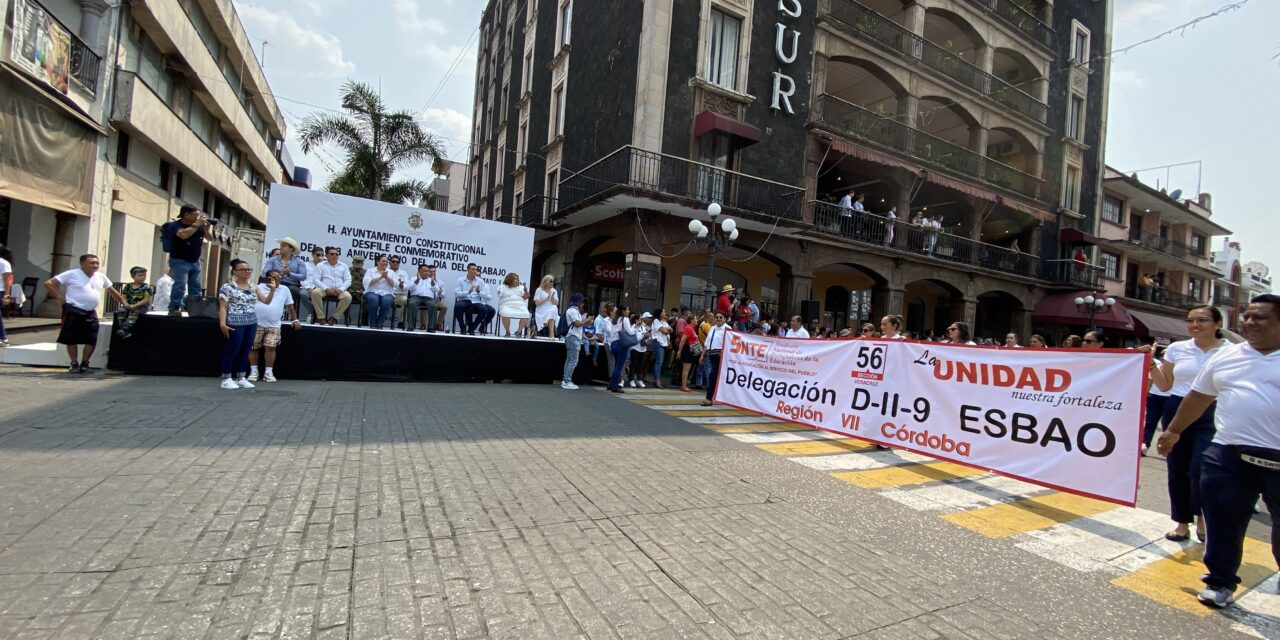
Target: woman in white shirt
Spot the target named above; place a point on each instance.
(661, 342)
(640, 353)
(713, 347)
(623, 338)
(546, 307)
(513, 304)
(379, 291)
(889, 328)
(1182, 362)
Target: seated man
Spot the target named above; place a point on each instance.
(331, 279)
(401, 291)
(469, 301)
(425, 294)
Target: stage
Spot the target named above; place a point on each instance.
(184, 346)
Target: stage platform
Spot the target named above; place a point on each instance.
(163, 345)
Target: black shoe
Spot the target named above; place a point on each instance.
(74, 368)
(616, 390)
(84, 367)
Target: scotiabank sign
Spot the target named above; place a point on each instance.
(607, 272)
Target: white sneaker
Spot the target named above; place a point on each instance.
(641, 383)
(632, 384)
(228, 383)
(268, 377)
(244, 383)
(253, 375)
(568, 385)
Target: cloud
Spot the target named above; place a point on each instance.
(453, 127)
(301, 50)
(409, 19)
(1134, 13)
(1128, 79)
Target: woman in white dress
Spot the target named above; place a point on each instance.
(547, 306)
(513, 304)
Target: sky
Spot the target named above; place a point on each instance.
(1210, 93)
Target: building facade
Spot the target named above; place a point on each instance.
(180, 114)
(1237, 283)
(1154, 253)
(985, 115)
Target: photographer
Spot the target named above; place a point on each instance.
(183, 239)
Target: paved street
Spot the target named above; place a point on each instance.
(163, 507)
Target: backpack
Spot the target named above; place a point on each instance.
(562, 329)
(166, 237)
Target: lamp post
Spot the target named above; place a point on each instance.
(1092, 305)
(707, 234)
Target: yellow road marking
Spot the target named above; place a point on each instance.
(673, 400)
(1175, 580)
(709, 413)
(907, 474)
(1028, 514)
(816, 447)
(763, 427)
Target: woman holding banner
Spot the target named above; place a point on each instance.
(1183, 361)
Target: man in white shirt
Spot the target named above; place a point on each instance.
(6, 284)
(331, 279)
(572, 341)
(846, 212)
(164, 288)
(269, 318)
(1243, 461)
(713, 347)
(81, 293)
(470, 299)
(425, 294)
(401, 279)
(797, 329)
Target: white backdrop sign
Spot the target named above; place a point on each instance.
(1066, 419)
(365, 228)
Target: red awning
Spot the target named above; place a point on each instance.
(707, 122)
(1061, 309)
(1076, 236)
(1146, 323)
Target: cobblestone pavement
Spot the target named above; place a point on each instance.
(166, 508)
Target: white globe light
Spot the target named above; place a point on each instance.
(728, 225)
(713, 209)
(1111, 302)
(1100, 303)
(702, 232)
(733, 235)
(1088, 299)
(694, 225)
(1079, 301)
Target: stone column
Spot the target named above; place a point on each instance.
(985, 58)
(908, 107)
(966, 311)
(978, 140)
(913, 20)
(794, 288)
(91, 13)
(896, 301)
(63, 247)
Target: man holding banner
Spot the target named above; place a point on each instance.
(1243, 461)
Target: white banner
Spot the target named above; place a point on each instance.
(1068, 419)
(365, 228)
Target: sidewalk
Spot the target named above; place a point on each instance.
(24, 324)
(165, 507)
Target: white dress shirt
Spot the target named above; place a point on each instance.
(331, 276)
(1247, 386)
(715, 338)
(797, 333)
(425, 287)
(382, 286)
(463, 290)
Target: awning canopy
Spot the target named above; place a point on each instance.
(1076, 236)
(1061, 309)
(708, 121)
(1146, 323)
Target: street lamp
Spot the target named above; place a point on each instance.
(1092, 305)
(706, 234)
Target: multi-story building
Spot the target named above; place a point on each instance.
(449, 188)
(179, 113)
(1153, 251)
(1237, 283)
(987, 115)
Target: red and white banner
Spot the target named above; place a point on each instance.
(1068, 419)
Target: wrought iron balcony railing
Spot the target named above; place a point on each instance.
(657, 173)
(1073, 272)
(866, 22)
(857, 122)
(535, 210)
(1022, 21)
(1162, 296)
(867, 228)
(1224, 300)
(1164, 245)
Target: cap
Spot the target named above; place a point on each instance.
(646, 315)
(576, 299)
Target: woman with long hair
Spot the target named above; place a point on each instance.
(890, 327)
(513, 304)
(1092, 340)
(379, 291)
(546, 302)
(685, 351)
(1183, 361)
(624, 338)
(238, 321)
(1036, 341)
(1072, 341)
(958, 333)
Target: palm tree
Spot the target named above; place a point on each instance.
(376, 143)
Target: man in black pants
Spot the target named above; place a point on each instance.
(1243, 460)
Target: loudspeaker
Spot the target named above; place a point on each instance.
(201, 307)
(810, 311)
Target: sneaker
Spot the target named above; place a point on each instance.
(228, 383)
(74, 368)
(243, 383)
(84, 367)
(641, 383)
(568, 385)
(268, 377)
(1216, 597)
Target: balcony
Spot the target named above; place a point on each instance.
(1161, 296)
(1019, 19)
(865, 22)
(535, 211)
(864, 228)
(1164, 245)
(682, 181)
(855, 122)
(1079, 275)
(1224, 300)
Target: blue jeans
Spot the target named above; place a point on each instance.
(378, 307)
(1155, 413)
(1235, 486)
(235, 353)
(701, 372)
(659, 354)
(572, 349)
(186, 281)
(619, 353)
(1185, 461)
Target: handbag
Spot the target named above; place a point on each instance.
(627, 339)
(696, 349)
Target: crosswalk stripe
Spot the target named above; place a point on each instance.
(907, 474)
(973, 492)
(1258, 611)
(726, 419)
(709, 411)
(808, 435)
(1175, 580)
(1104, 542)
(654, 403)
(1028, 514)
(868, 460)
(815, 447)
(754, 428)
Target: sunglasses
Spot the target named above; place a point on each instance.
(332, 253)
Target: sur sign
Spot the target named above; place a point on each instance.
(786, 47)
